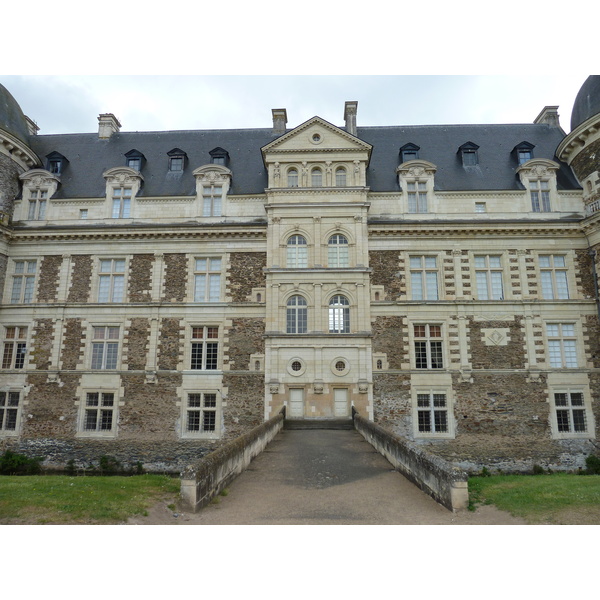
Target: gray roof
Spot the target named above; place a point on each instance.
(88, 157)
(12, 118)
(587, 101)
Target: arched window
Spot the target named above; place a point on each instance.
(340, 177)
(292, 178)
(297, 252)
(337, 251)
(339, 315)
(316, 177)
(380, 364)
(296, 315)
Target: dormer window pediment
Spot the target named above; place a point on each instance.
(408, 152)
(468, 154)
(523, 152)
(212, 186)
(219, 156)
(177, 160)
(56, 163)
(135, 160)
(39, 186)
(122, 186)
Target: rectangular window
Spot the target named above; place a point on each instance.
(212, 200)
(99, 412)
(480, 207)
(553, 275)
(9, 411)
(205, 348)
(562, 348)
(488, 276)
(111, 280)
(428, 347)
(540, 195)
(121, 203)
(15, 347)
(83, 213)
(37, 205)
(176, 163)
(570, 412)
(432, 412)
(105, 347)
(201, 413)
(23, 282)
(417, 196)
(207, 280)
(424, 278)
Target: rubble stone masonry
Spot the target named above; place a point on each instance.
(42, 341)
(48, 278)
(587, 162)
(9, 184)
(386, 265)
(392, 402)
(136, 344)
(170, 344)
(245, 403)
(244, 337)
(140, 278)
(73, 341)
(506, 353)
(584, 274)
(81, 276)
(389, 338)
(175, 281)
(245, 272)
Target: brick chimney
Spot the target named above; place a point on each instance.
(107, 125)
(350, 110)
(279, 120)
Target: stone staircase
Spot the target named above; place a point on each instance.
(318, 424)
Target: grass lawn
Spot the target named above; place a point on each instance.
(557, 499)
(60, 499)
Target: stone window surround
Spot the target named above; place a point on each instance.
(192, 272)
(326, 235)
(82, 404)
(16, 431)
(11, 274)
(37, 180)
(187, 358)
(328, 169)
(416, 171)
(16, 340)
(411, 341)
(122, 177)
(201, 435)
(503, 269)
(433, 389)
(88, 328)
(587, 406)
(212, 175)
(578, 337)
(569, 268)
(439, 258)
(539, 169)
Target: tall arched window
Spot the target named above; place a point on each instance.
(339, 314)
(296, 315)
(316, 177)
(292, 177)
(340, 177)
(297, 252)
(337, 251)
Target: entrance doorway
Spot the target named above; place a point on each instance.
(340, 402)
(296, 403)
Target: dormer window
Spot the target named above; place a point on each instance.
(416, 179)
(122, 187)
(538, 176)
(468, 154)
(55, 163)
(134, 160)
(524, 152)
(219, 156)
(409, 152)
(38, 187)
(212, 185)
(176, 160)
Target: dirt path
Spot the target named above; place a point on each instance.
(323, 477)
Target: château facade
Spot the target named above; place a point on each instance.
(165, 292)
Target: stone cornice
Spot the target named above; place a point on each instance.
(577, 139)
(18, 151)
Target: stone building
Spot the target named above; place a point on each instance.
(164, 292)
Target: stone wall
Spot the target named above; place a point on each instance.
(40, 353)
(3, 269)
(244, 337)
(170, 344)
(586, 162)
(9, 185)
(392, 407)
(135, 344)
(73, 343)
(245, 402)
(245, 272)
(81, 277)
(175, 282)
(489, 352)
(386, 266)
(140, 278)
(389, 335)
(584, 274)
(47, 286)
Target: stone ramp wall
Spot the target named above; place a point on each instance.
(434, 475)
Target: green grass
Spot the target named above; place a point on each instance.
(61, 499)
(555, 499)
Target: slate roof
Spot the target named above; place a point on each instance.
(12, 118)
(587, 101)
(90, 156)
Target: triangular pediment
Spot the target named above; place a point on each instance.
(314, 136)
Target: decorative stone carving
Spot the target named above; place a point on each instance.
(318, 387)
(495, 337)
(274, 387)
(363, 387)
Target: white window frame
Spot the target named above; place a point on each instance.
(109, 289)
(416, 179)
(84, 408)
(292, 177)
(341, 177)
(560, 355)
(338, 314)
(558, 431)
(421, 287)
(212, 200)
(199, 407)
(106, 361)
(434, 360)
(24, 291)
(316, 177)
(14, 347)
(36, 182)
(296, 314)
(535, 175)
(38, 204)
(431, 395)
(8, 411)
(209, 178)
(121, 202)
(207, 280)
(207, 341)
(338, 251)
(492, 272)
(120, 179)
(554, 278)
(296, 256)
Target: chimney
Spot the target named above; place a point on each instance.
(350, 117)
(31, 126)
(549, 116)
(107, 125)
(279, 120)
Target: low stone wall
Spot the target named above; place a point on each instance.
(435, 476)
(202, 481)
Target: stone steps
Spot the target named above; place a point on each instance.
(318, 424)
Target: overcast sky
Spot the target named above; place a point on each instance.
(71, 104)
